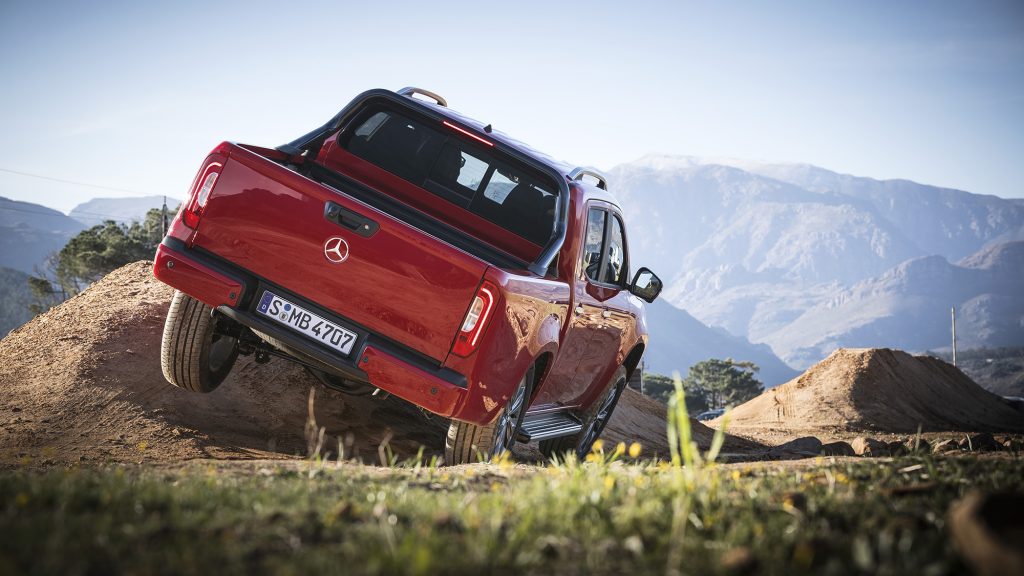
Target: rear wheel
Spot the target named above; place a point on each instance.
(594, 422)
(468, 442)
(193, 354)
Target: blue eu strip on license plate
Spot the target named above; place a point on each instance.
(306, 323)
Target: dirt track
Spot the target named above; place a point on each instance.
(82, 383)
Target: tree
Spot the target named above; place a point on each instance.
(723, 382)
(92, 254)
(44, 294)
(661, 388)
(95, 252)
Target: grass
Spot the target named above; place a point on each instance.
(829, 517)
(613, 514)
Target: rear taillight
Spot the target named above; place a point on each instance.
(476, 319)
(199, 195)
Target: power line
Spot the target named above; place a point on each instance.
(52, 179)
(14, 209)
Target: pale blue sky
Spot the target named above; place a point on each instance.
(132, 96)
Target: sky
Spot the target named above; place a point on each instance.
(128, 98)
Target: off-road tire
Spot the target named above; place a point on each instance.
(580, 443)
(192, 355)
(467, 443)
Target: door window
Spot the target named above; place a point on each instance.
(592, 244)
(616, 253)
(604, 248)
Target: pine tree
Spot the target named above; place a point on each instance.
(724, 382)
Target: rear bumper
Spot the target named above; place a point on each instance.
(174, 268)
(374, 360)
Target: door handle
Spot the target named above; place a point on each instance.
(350, 219)
(606, 314)
(579, 310)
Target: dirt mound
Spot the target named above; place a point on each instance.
(82, 383)
(638, 418)
(875, 389)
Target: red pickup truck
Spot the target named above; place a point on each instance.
(403, 247)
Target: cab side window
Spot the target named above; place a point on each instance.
(604, 248)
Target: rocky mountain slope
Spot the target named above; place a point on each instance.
(909, 307)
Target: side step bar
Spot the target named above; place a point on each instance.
(545, 426)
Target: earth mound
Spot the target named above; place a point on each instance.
(82, 383)
(875, 389)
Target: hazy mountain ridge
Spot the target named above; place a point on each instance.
(944, 221)
(124, 210)
(30, 233)
(756, 247)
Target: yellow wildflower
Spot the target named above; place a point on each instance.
(634, 450)
(598, 446)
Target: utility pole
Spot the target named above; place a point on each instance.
(641, 369)
(952, 312)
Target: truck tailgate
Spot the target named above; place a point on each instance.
(394, 280)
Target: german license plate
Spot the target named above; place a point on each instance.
(305, 322)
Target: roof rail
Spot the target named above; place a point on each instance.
(580, 171)
(410, 90)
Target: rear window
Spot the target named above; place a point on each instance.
(461, 172)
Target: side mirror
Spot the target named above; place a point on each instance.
(646, 285)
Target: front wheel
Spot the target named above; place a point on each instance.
(468, 442)
(193, 354)
(594, 422)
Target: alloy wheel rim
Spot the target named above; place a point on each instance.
(596, 425)
(508, 420)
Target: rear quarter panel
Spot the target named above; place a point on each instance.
(526, 325)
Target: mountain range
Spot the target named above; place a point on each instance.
(99, 210)
(785, 254)
(30, 233)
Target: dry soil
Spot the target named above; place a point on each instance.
(82, 383)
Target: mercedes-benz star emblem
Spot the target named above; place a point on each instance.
(336, 249)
